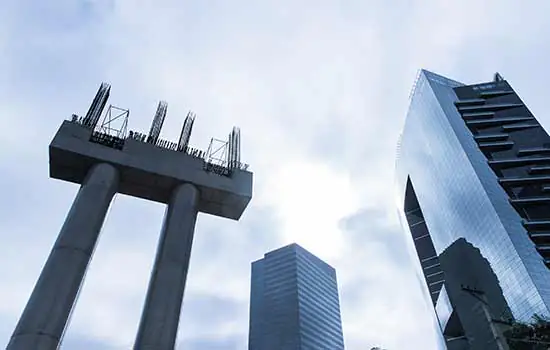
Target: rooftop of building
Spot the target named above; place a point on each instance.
(296, 246)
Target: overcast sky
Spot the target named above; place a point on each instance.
(320, 90)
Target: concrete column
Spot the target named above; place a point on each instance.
(160, 317)
(46, 314)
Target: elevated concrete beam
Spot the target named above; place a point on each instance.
(148, 171)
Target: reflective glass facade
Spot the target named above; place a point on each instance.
(294, 302)
(464, 170)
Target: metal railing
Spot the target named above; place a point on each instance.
(118, 143)
(107, 140)
(99, 137)
(80, 120)
(209, 165)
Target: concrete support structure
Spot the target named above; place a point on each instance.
(106, 160)
(161, 313)
(46, 315)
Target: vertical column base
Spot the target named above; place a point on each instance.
(160, 318)
(46, 314)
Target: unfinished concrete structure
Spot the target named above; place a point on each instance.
(105, 161)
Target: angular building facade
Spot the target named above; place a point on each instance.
(474, 165)
(294, 302)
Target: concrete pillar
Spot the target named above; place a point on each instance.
(46, 314)
(160, 317)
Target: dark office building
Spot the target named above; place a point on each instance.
(473, 176)
(294, 302)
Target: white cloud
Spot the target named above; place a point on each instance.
(311, 199)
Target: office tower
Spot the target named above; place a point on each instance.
(474, 165)
(105, 160)
(294, 302)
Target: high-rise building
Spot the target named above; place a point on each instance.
(474, 166)
(294, 302)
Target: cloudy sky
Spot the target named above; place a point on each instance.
(320, 90)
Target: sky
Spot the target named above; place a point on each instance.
(320, 91)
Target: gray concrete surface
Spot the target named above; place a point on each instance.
(148, 171)
(45, 317)
(161, 313)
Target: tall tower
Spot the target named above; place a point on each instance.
(106, 160)
(473, 165)
(294, 302)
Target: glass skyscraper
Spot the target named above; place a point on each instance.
(474, 165)
(294, 302)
